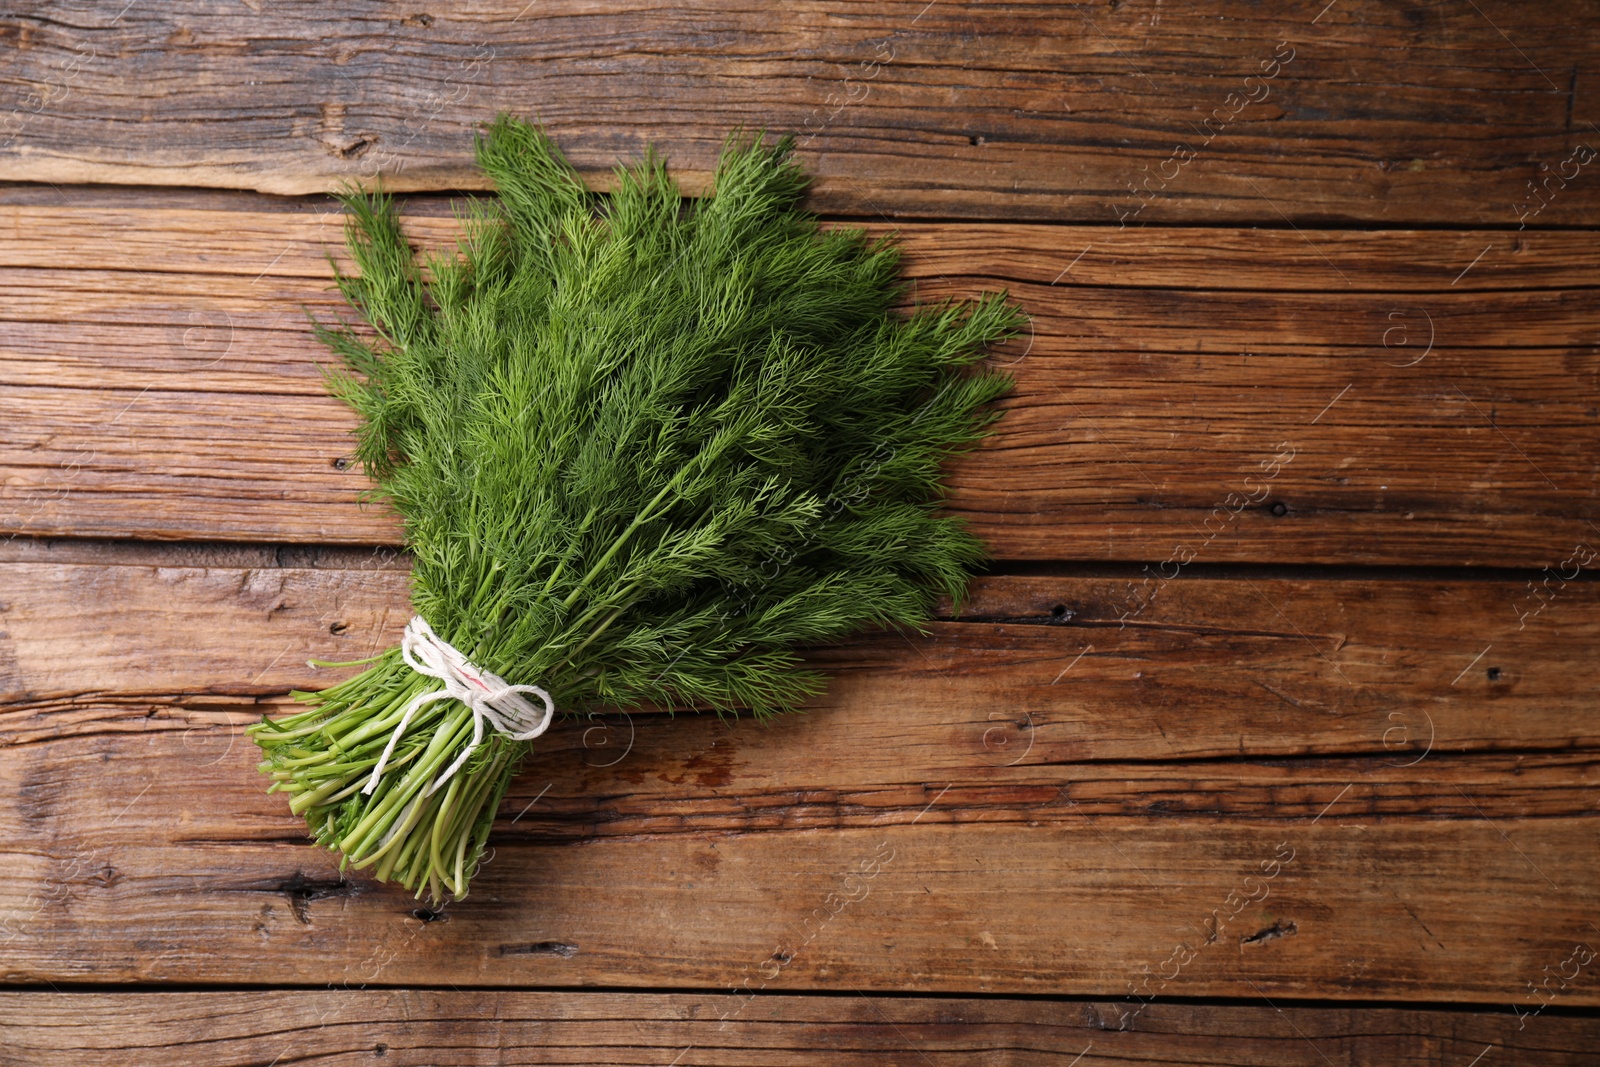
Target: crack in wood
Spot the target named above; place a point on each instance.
(1271, 933)
(562, 949)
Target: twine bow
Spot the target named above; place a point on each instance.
(489, 697)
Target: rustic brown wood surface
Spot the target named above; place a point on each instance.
(425, 1028)
(1212, 395)
(1270, 738)
(1359, 110)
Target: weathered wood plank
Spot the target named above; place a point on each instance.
(167, 387)
(1068, 669)
(1007, 811)
(651, 777)
(1348, 906)
(445, 1029)
(1128, 112)
(191, 231)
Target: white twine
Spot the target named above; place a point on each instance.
(488, 695)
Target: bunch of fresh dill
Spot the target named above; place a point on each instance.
(643, 449)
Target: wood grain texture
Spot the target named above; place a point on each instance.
(983, 810)
(1434, 398)
(1096, 113)
(124, 868)
(1039, 671)
(1170, 814)
(426, 1028)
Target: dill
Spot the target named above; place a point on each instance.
(644, 449)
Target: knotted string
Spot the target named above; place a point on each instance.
(487, 695)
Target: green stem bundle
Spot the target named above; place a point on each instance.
(323, 757)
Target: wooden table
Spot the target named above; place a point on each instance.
(1269, 738)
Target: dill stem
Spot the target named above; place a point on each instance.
(347, 662)
(383, 721)
(433, 757)
(311, 798)
(399, 859)
(596, 632)
(441, 822)
(408, 818)
(583, 528)
(639, 520)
